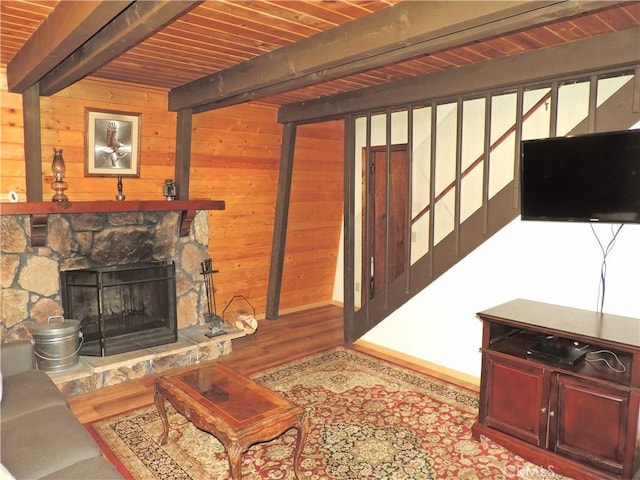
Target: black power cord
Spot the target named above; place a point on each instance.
(603, 267)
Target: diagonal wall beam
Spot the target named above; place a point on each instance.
(394, 34)
(281, 221)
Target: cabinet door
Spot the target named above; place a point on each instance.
(588, 422)
(516, 399)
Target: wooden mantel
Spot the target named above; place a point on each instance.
(40, 211)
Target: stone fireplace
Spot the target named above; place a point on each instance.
(30, 276)
(137, 233)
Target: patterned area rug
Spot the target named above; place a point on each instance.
(370, 420)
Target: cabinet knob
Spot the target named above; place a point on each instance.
(543, 409)
(552, 413)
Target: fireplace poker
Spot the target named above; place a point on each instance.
(205, 273)
(211, 287)
(212, 318)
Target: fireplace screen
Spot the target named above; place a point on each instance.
(122, 308)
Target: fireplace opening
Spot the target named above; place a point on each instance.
(122, 308)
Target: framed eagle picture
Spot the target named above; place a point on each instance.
(112, 143)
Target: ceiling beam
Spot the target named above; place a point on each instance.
(605, 52)
(140, 20)
(403, 31)
(67, 27)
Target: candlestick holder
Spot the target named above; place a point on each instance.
(120, 196)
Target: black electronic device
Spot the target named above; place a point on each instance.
(558, 350)
(586, 178)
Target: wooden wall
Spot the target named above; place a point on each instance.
(235, 158)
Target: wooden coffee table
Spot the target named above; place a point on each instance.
(233, 408)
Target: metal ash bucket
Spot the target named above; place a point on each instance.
(56, 343)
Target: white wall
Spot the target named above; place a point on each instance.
(544, 261)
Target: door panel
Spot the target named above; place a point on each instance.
(389, 203)
(589, 423)
(516, 400)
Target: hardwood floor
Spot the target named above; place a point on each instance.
(275, 342)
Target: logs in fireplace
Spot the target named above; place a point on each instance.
(122, 308)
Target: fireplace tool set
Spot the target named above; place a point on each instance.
(240, 318)
(212, 318)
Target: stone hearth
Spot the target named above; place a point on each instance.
(192, 347)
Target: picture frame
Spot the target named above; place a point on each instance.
(112, 143)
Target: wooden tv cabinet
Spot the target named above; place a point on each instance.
(580, 421)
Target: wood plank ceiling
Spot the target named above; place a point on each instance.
(215, 36)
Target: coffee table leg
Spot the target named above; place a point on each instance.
(158, 399)
(303, 429)
(234, 451)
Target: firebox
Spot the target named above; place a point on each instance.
(122, 308)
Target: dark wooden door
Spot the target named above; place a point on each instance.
(588, 422)
(389, 210)
(516, 398)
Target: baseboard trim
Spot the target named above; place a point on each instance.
(301, 308)
(433, 369)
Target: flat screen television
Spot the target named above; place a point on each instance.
(586, 178)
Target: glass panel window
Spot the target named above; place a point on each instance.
(473, 115)
(360, 190)
(607, 87)
(536, 113)
(502, 154)
(421, 182)
(573, 109)
(444, 210)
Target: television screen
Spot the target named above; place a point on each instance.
(586, 178)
